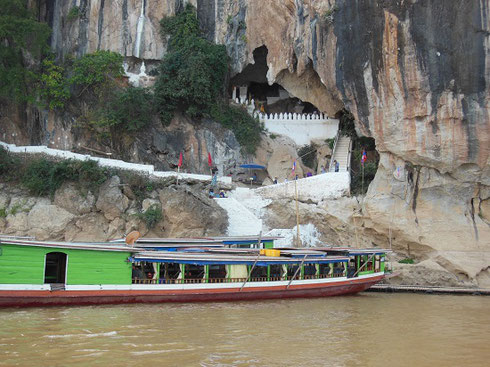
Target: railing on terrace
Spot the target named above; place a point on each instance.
(233, 280)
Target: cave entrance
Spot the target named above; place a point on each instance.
(362, 173)
(251, 84)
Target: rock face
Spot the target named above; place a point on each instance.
(73, 216)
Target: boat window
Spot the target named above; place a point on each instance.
(275, 272)
(324, 269)
(292, 270)
(171, 271)
(310, 270)
(194, 271)
(217, 271)
(338, 269)
(259, 272)
(55, 267)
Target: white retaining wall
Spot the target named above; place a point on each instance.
(302, 128)
(145, 169)
(316, 188)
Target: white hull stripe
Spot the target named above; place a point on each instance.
(197, 286)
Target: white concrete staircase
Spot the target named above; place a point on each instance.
(241, 221)
(341, 154)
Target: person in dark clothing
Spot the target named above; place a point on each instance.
(137, 273)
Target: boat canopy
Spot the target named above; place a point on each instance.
(228, 259)
(97, 246)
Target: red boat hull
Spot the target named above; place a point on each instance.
(99, 297)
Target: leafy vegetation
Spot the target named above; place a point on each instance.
(330, 142)
(130, 109)
(3, 212)
(97, 71)
(20, 34)
(346, 124)
(74, 13)
(307, 153)
(192, 76)
(358, 187)
(54, 88)
(246, 128)
(43, 177)
(151, 216)
(192, 73)
(407, 260)
(8, 165)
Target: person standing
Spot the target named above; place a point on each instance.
(336, 165)
(323, 169)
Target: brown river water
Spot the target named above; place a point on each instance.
(368, 329)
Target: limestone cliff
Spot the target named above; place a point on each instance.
(414, 73)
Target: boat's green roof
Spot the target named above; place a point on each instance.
(96, 246)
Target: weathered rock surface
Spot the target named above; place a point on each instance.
(112, 201)
(191, 213)
(69, 198)
(47, 221)
(187, 211)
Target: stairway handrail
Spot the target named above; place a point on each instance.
(337, 137)
(349, 156)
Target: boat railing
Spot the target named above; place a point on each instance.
(233, 280)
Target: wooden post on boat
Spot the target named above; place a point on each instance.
(251, 270)
(296, 272)
(358, 270)
(298, 241)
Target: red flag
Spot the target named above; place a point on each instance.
(180, 159)
(210, 161)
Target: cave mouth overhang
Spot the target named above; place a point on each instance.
(297, 93)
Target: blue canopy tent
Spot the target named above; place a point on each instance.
(252, 166)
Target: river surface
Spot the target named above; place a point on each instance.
(368, 329)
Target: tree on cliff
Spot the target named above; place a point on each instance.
(192, 79)
(192, 73)
(22, 42)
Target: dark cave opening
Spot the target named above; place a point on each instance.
(251, 84)
(362, 170)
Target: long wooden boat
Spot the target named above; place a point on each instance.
(36, 273)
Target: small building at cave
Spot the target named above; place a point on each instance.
(281, 113)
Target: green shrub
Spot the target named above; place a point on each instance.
(20, 34)
(74, 13)
(247, 129)
(370, 168)
(131, 109)
(54, 89)
(43, 177)
(8, 165)
(97, 71)
(406, 261)
(152, 215)
(192, 73)
(3, 212)
(330, 142)
(37, 178)
(307, 154)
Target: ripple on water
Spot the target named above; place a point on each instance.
(368, 329)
